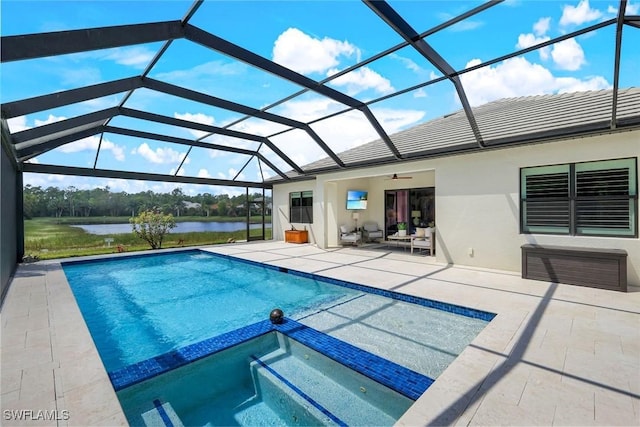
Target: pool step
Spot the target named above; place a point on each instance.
(292, 408)
(162, 415)
(325, 390)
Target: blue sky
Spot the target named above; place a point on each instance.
(314, 38)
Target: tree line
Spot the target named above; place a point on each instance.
(74, 202)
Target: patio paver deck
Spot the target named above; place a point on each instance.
(554, 354)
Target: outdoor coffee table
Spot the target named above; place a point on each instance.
(399, 241)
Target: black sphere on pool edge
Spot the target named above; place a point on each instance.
(276, 316)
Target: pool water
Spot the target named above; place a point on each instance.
(424, 339)
(177, 333)
(270, 380)
(142, 306)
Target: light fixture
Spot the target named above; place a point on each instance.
(416, 217)
(356, 217)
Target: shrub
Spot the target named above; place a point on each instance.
(151, 226)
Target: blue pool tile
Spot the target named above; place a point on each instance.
(150, 368)
(403, 380)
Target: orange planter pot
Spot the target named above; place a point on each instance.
(296, 236)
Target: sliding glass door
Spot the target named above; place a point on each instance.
(413, 206)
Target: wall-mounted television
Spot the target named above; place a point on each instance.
(357, 199)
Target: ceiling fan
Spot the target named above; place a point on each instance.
(395, 176)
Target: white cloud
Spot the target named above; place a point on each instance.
(580, 14)
(528, 40)
(181, 172)
(465, 25)
(91, 143)
(408, 63)
(263, 173)
(50, 119)
(78, 76)
(631, 9)
(159, 155)
(197, 118)
(49, 180)
(309, 109)
(203, 173)
(519, 77)
(229, 141)
(420, 93)
(119, 185)
(568, 55)
(362, 79)
(92, 105)
(351, 129)
(541, 26)
(211, 68)
(231, 173)
(305, 54)
(116, 150)
(538, 36)
(341, 132)
(572, 84)
(395, 120)
(136, 56)
(18, 124)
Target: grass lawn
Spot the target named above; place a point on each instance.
(49, 238)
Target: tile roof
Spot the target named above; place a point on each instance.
(505, 121)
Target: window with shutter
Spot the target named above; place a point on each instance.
(606, 198)
(590, 198)
(545, 200)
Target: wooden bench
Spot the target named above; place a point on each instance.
(596, 268)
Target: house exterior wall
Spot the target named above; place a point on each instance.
(477, 200)
(280, 215)
(8, 221)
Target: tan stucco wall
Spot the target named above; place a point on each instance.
(477, 200)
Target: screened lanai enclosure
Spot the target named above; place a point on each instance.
(246, 95)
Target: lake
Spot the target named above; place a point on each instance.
(181, 227)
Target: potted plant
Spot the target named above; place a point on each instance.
(402, 229)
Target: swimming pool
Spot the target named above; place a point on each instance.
(141, 306)
(151, 314)
(271, 379)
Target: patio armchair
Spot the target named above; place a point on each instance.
(371, 231)
(349, 237)
(424, 243)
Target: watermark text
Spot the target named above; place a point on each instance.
(35, 415)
